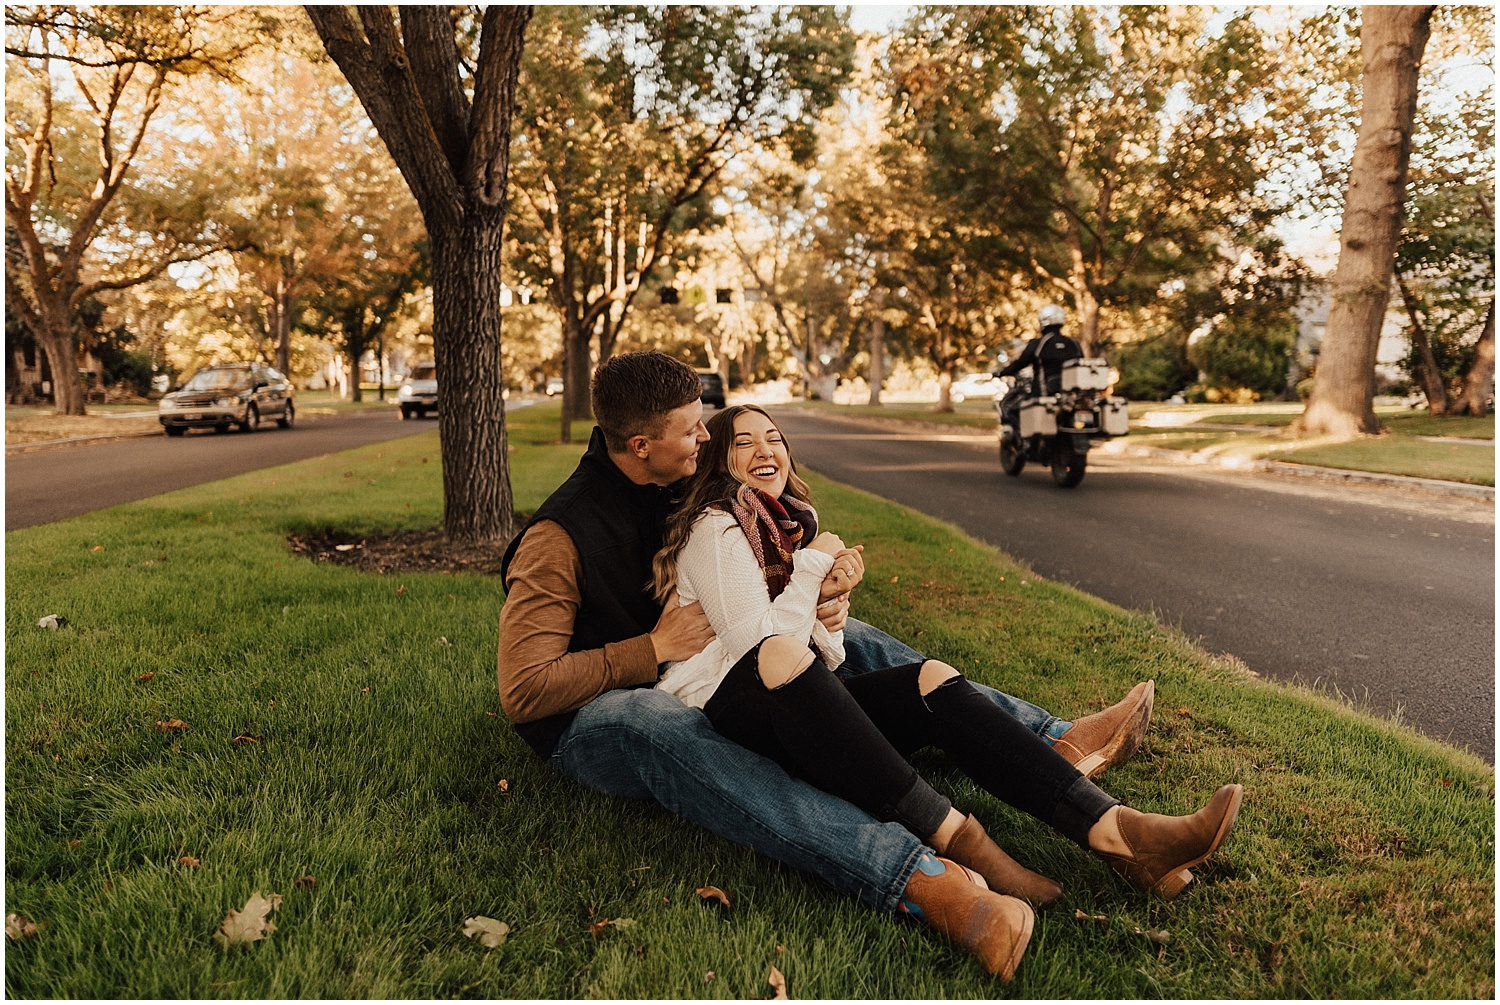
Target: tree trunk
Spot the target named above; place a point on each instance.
(1479, 382)
(578, 371)
(945, 388)
(62, 357)
(1392, 40)
(877, 357)
(466, 344)
(1088, 319)
(284, 322)
(356, 393)
(1431, 376)
(453, 149)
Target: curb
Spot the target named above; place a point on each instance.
(1432, 485)
(39, 444)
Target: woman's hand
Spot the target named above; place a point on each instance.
(828, 543)
(847, 572)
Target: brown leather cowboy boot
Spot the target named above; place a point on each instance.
(1110, 737)
(972, 848)
(994, 928)
(1163, 849)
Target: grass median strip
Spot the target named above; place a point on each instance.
(339, 745)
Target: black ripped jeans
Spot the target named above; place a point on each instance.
(851, 738)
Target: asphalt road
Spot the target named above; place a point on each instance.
(53, 483)
(1385, 594)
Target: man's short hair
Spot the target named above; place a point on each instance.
(633, 393)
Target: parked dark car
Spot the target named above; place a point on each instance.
(226, 394)
(713, 389)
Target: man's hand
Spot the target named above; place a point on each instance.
(834, 613)
(847, 573)
(681, 631)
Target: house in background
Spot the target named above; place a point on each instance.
(1312, 323)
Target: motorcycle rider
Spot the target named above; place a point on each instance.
(1046, 355)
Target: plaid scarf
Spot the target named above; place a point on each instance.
(775, 528)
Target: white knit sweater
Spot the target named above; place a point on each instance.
(718, 569)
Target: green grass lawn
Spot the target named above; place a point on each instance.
(1402, 455)
(343, 725)
(1408, 423)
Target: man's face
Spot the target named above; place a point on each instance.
(673, 455)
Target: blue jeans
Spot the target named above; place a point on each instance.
(868, 648)
(646, 744)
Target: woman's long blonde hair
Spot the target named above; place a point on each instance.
(713, 485)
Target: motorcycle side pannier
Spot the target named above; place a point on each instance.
(1039, 416)
(1115, 416)
(1085, 375)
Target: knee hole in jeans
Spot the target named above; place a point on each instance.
(782, 660)
(933, 675)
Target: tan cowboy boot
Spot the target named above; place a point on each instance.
(972, 848)
(1163, 849)
(955, 902)
(1110, 737)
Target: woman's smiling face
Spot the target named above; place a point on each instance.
(759, 457)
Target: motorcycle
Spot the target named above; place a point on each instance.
(1058, 429)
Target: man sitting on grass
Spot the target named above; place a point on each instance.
(581, 640)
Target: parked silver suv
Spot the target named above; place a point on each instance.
(239, 393)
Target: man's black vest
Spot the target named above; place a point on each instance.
(617, 526)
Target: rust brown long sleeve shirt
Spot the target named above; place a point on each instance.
(538, 677)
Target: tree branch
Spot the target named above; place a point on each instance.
(433, 50)
(500, 44)
(390, 100)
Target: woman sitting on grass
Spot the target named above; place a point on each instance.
(745, 543)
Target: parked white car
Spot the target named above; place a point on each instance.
(979, 386)
(419, 394)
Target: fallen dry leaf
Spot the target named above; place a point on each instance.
(97, 547)
(170, 724)
(364, 690)
(1161, 937)
(305, 882)
(249, 923)
(1082, 916)
(189, 861)
(895, 579)
(244, 739)
(598, 928)
(19, 927)
(713, 893)
(709, 976)
(74, 843)
(493, 715)
(143, 678)
(1445, 783)
(503, 785)
(443, 641)
(777, 981)
(491, 933)
(400, 589)
(1183, 711)
(780, 950)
